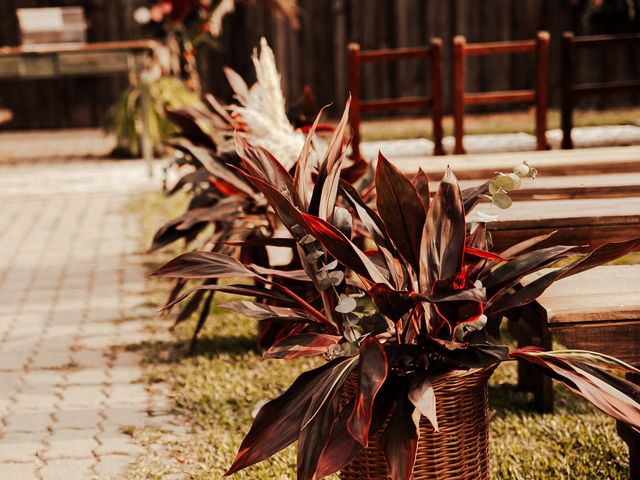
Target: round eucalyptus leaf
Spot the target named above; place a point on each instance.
(501, 200)
(346, 304)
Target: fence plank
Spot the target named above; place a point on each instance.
(316, 53)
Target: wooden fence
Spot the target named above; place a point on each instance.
(316, 54)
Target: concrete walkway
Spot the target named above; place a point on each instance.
(71, 296)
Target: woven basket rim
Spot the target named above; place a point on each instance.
(459, 373)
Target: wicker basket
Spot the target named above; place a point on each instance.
(459, 451)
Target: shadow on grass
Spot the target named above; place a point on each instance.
(507, 398)
(168, 352)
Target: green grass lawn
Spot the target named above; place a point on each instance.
(216, 390)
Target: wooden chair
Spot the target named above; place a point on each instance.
(431, 53)
(595, 310)
(537, 96)
(571, 92)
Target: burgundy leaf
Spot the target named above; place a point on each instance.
(169, 233)
(510, 273)
(279, 422)
(186, 120)
(613, 395)
(341, 447)
(298, 275)
(202, 318)
(370, 219)
(220, 109)
(342, 249)
(260, 163)
(192, 178)
(314, 438)
(302, 182)
(326, 187)
(190, 308)
(421, 182)
(246, 290)
(261, 242)
(523, 246)
(444, 234)
(469, 355)
(217, 168)
(373, 372)
(476, 294)
(471, 196)
(288, 213)
(393, 304)
(262, 311)
(523, 296)
(400, 439)
(358, 168)
(401, 209)
(329, 386)
(203, 265)
(476, 252)
(229, 207)
(603, 254)
(322, 411)
(301, 345)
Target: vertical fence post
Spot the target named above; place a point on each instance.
(566, 115)
(436, 95)
(354, 87)
(459, 43)
(542, 90)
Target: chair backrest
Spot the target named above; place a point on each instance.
(431, 53)
(52, 25)
(571, 92)
(537, 96)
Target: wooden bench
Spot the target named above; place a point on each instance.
(537, 96)
(572, 92)
(431, 53)
(596, 310)
(611, 185)
(589, 222)
(550, 163)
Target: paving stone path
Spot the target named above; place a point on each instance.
(71, 300)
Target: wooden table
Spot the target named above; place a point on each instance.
(590, 222)
(596, 310)
(51, 61)
(584, 161)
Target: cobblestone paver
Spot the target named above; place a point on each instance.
(71, 299)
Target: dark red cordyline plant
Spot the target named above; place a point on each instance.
(225, 208)
(421, 302)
